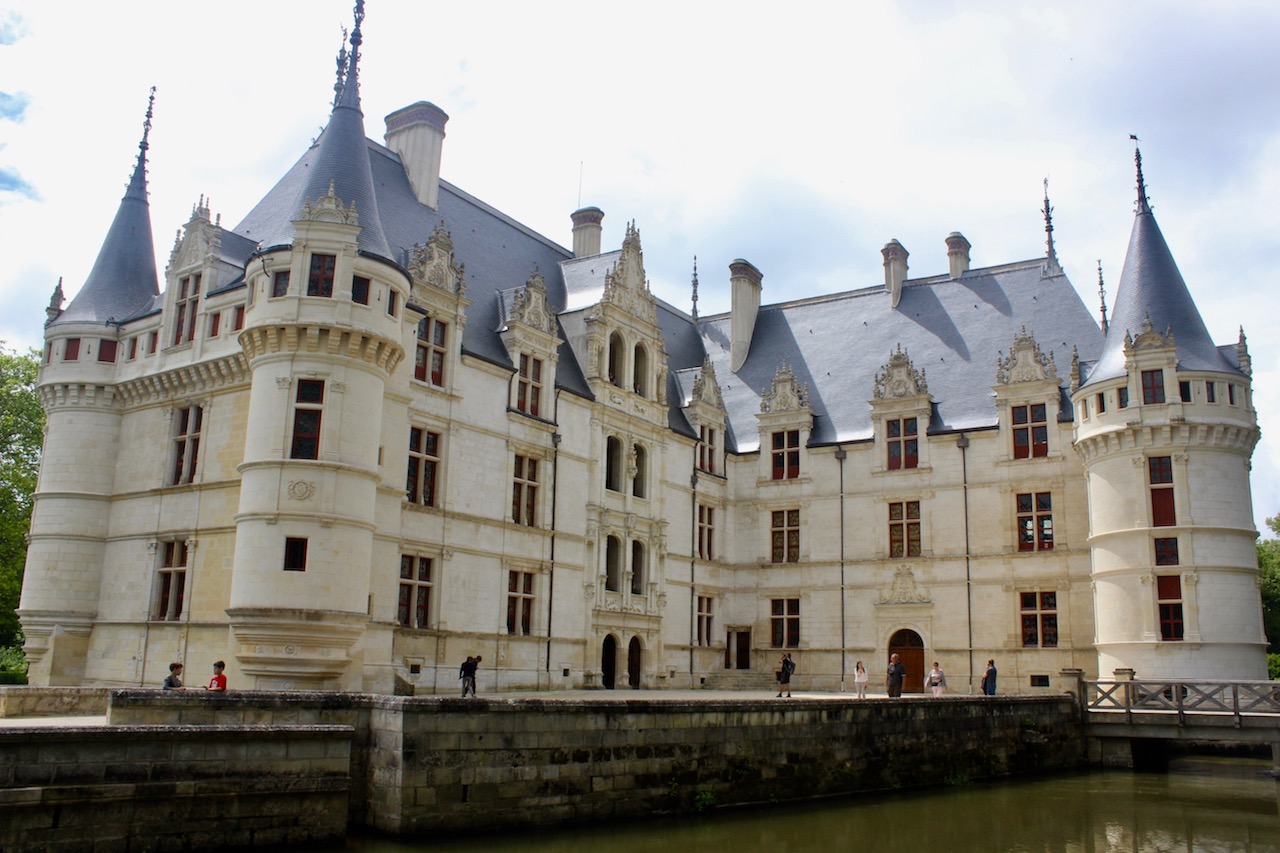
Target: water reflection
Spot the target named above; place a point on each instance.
(1202, 805)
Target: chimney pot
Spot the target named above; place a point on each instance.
(895, 269)
(416, 133)
(745, 284)
(958, 254)
(586, 231)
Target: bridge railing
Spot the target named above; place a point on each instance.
(1234, 699)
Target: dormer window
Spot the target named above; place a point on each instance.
(903, 445)
(1030, 431)
(786, 454)
(707, 437)
(529, 385)
(1152, 387)
(428, 365)
(184, 323)
(320, 279)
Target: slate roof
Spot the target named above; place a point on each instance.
(1151, 286)
(955, 330)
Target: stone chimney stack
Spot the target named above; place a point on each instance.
(745, 286)
(586, 231)
(895, 269)
(958, 254)
(416, 133)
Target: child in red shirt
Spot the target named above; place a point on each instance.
(219, 681)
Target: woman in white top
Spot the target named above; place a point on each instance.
(860, 679)
(936, 680)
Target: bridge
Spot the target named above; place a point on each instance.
(1128, 720)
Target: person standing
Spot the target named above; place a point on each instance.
(173, 681)
(989, 679)
(936, 680)
(894, 676)
(219, 681)
(467, 672)
(786, 667)
(860, 679)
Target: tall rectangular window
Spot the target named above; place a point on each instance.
(133, 348)
(1122, 398)
(153, 341)
(1167, 551)
(308, 403)
(1152, 387)
(706, 617)
(393, 302)
(295, 554)
(1035, 521)
(188, 422)
(238, 319)
(215, 324)
(904, 529)
(784, 623)
(529, 385)
(428, 365)
(360, 289)
(184, 318)
(1030, 431)
(1210, 392)
(784, 532)
(706, 532)
(71, 351)
(520, 603)
(786, 454)
(1184, 390)
(1231, 394)
(707, 439)
(1169, 601)
(1039, 612)
(904, 446)
(1102, 402)
(524, 491)
(172, 581)
(320, 278)
(1163, 513)
(413, 609)
(280, 283)
(107, 350)
(424, 465)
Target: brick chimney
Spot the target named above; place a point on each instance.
(957, 254)
(586, 231)
(895, 269)
(416, 133)
(745, 286)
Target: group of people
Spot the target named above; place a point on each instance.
(935, 680)
(218, 682)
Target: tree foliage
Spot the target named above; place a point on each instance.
(1269, 563)
(21, 433)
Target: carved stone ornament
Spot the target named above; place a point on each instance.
(1147, 338)
(302, 490)
(1025, 362)
(705, 387)
(530, 305)
(904, 589)
(434, 264)
(898, 378)
(329, 208)
(786, 395)
(625, 286)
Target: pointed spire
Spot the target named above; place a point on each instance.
(1152, 291)
(695, 287)
(1102, 296)
(1144, 204)
(342, 68)
(1052, 267)
(123, 281)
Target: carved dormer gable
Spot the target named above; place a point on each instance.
(197, 243)
(899, 378)
(433, 264)
(706, 390)
(1148, 338)
(625, 286)
(786, 394)
(530, 306)
(1025, 362)
(329, 208)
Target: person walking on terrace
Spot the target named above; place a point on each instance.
(894, 676)
(787, 666)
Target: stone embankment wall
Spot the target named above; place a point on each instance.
(172, 787)
(22, 701)
(419, 767)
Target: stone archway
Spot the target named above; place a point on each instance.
(635, 663)
(608, 662)
(909, 648)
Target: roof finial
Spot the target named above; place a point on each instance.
(342, 68)
(146, 125)
(1102, 295)
(1048, 226)
(695, 287)
(138, 182)
(1144, 205)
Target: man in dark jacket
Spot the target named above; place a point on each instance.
(893, 678)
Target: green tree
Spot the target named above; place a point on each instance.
(1269, 563)
(21, 432)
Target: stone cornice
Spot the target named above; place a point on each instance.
(188, 380)
(361, 344)
(1186, 434)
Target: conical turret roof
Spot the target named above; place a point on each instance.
(340, 159)
(1152, 287)
(123, 281)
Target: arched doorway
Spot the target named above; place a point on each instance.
(909, 648)
(634, 659)
(609, 662)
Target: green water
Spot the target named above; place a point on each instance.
(1212, 805)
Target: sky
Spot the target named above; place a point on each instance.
(802, 140)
